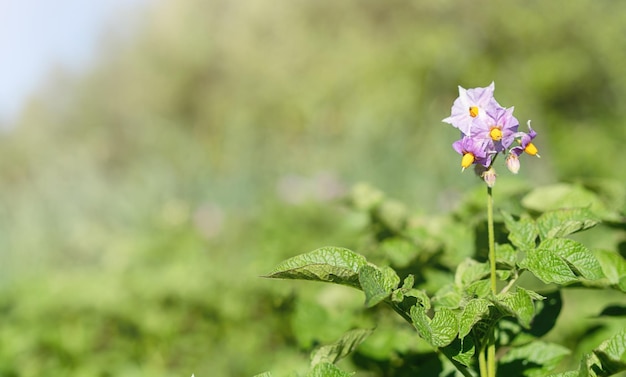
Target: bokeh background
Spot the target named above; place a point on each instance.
(142, 195)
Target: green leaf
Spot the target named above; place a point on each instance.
(535, 359)
(327, 264)
(506, 254)
(614, 268)
(407, 290)
(582, 261)
(606, 360)
(399, 294)
(470, 271)
(461, 350)
(343, 347)
(448, 296)
(377, 283)
(327, 370)
(408, 283)
(472, 313)
(439, 331)
(519, 304)
(563, 222)
(480, 288)
(393, 214)
(563, 195)
(548, 267)
(612, 353)
(522, 233)
(400, 251)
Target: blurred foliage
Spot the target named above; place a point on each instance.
(142, 199)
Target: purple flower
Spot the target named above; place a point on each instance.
(488, 129)
(473, 152)
(497, 129)
(525, 143)
(471, 106)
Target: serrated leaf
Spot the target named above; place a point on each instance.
(264, 374)
(580, 259)
(328, 264)
(407, 290)
(606, 360)
(439, 331)
(327, 370)
(519, 304)
(614, 268)
(539, 358)
(448, 296)
(563, 222)
(505, 254)
(409, 281)
(420, 295)
(377, 283)
(522, 233)
(470, 271)
(548, 267)
(343, 347)
(480, 288)
(612, 353)
(472, 313)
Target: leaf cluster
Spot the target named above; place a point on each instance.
(451, 307)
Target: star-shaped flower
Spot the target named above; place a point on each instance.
(471, 106)
(473, 152)
(497, 129)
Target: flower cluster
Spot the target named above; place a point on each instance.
(488, 129)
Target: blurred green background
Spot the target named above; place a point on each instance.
(141, 200)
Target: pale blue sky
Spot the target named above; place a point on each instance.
(36, 35)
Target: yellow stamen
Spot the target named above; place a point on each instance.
(495, 134)
(531, 149)
(467, 160)
(473, 111)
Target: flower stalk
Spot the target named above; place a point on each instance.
(488, 130)
(492, 242)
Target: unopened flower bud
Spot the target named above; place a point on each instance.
(490, 177)
(512, 163)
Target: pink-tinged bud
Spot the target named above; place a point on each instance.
(512, 163)
(490, 177)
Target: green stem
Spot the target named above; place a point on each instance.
(491, 358)
(491, 348)
(492, 242)
(482, 364)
